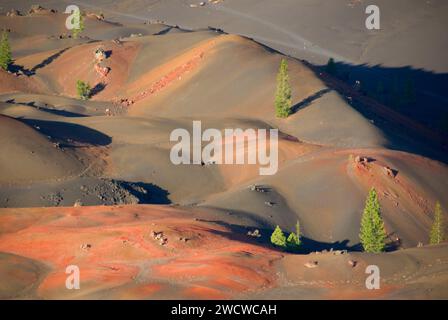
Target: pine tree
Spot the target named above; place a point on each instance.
(5, 51)
(373, 233)
(278, 238)
(283, 95)
(437, 232)
(330, 68)
(293, 241)
(80, 28)
(298, 233)
(83, 89)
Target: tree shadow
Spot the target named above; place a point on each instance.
(308, 245)
(409, 105)
(108, 53)
(30, 72)
(68, 133)
(146, 193)
(307, 101)
(164, 31)
(58, 112)
(100, 86)
(15, 68)
(47, 61)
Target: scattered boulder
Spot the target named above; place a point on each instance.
(95, 16)
(102, 71)
(256, 233)
(100, 54)
(311, 264)
(207, 163)
(359, 159)
(126, 102)
(160, 237)
(77, 203)
(64, 36)
(13, 13)
(86, 246)
(156, 235)
(390, 172)
(352, 263)
(35, 8)
(362, 162)
(154, 21)
(339, 252)
(256, 188)
(183, 239)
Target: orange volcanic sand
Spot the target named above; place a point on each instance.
(124, 261)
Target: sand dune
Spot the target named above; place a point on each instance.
(193, 83)
(31, 156)
(114, 150)
(119, 259)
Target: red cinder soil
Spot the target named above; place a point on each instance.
(118, 256)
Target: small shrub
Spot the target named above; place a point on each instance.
(83, 89)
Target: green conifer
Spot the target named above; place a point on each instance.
(83, 89)
(283, 95)
(77, 30)
(373, 233)
(293, 241)
(437, 231)
(5, 51)
(278, 238)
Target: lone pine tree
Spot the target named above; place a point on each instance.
(5, 51)
(373, 233)
(283, 100)
(437, 230)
